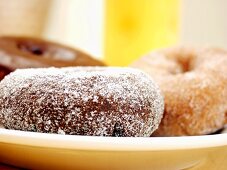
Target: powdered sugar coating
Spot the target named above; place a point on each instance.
(97, 101)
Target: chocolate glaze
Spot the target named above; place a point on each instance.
(24, 52)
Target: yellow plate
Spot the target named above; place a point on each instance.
(52, 151)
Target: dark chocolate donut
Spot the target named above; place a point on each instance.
(98, 101)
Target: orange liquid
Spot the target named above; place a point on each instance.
(135, 27)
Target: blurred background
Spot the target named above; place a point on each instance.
(117, 31)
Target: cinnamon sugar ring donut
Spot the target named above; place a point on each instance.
(21, 52)
(194, 83)
(97, 101)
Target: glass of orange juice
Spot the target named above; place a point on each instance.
(135, 27)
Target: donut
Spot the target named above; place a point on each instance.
(194, 84)
(25, 52)
(4, 71)
(96, 101)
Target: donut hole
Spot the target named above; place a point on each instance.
(185, 61)
(185, 65)
(176, 67)
(34, 49)
(169, 65)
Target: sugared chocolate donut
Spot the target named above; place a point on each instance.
(97, 101)
(194, 84)
(21, 52)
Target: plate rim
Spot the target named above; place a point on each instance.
(77, 142)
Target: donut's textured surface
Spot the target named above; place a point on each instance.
(97, 101)
(194, 84)
(25, 52)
